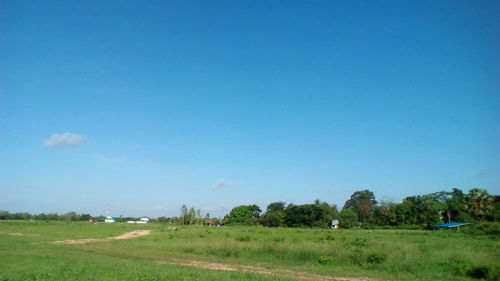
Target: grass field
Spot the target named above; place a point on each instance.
(250, 253)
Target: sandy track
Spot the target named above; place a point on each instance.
(305, 276)
(127, 235)
(19, 234)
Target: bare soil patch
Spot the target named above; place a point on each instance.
(305, 276)
(19, 234)
(127, 235)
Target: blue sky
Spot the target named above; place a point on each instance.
(142, 106)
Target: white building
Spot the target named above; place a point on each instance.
(110, 219)
(335, 223)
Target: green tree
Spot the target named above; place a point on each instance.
(310, 215)
(273, 219)
(4, 215)
(422, 209)
(162, 219)
(455, 208)
(384, 213)
(479, 203)
(275, 215)
(348, 218)
(189, 216)
(276, 206)
(255, 213)
(403, 213)
(241, 215)
(330, 210)
(362, 203)
(184, 215)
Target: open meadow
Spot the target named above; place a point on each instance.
(172, 252)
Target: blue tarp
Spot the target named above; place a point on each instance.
(452, 224)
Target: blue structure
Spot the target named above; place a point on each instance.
(451, 225)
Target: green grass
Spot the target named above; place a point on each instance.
(382, 254)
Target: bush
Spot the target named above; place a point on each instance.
(325, 260)
(348, 218)
(476, 271)
(359, 242)
(376, 258)
(278, 239)
(484, 228)
(245, 238)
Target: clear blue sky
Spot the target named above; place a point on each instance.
(142, 106)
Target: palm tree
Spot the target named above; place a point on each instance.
(479, 203)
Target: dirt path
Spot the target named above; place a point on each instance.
(305, 276)
(127, 235)
(19, 234)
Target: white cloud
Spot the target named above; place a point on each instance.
(222, 183)
(64, 139)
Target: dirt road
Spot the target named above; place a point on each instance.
(305, 276)
(127, 235)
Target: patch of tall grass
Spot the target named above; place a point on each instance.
(386, 254)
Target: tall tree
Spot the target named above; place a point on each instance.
(273, 219)
(192, 215)
(184, 214)
(422, 209)
(384, 213)
(241, 215)
(348, 218)
(479, 203)
(276, 206)
(306, 215)
(455, 209)
(361, 202)
(275, 214)
(255, 210)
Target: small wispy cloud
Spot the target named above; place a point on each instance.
(313, 182)
(219, 209)
(64, 139)
(482, 174)
(222, 183)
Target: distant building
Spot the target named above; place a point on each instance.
(110, 219)
(91, 219)
(335, 224)
(209, 221)
(141, 220)
(452, 225)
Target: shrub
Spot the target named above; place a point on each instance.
(148, 277)
(484, 228)
(278, 239)
(357, 256)
(348, 218)
(245, 238)
(328, 237)
(376, 258)
(478, 272)
(359, 242)
(325, 260)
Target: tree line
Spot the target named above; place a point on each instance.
(70, 216)
(363, 210)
